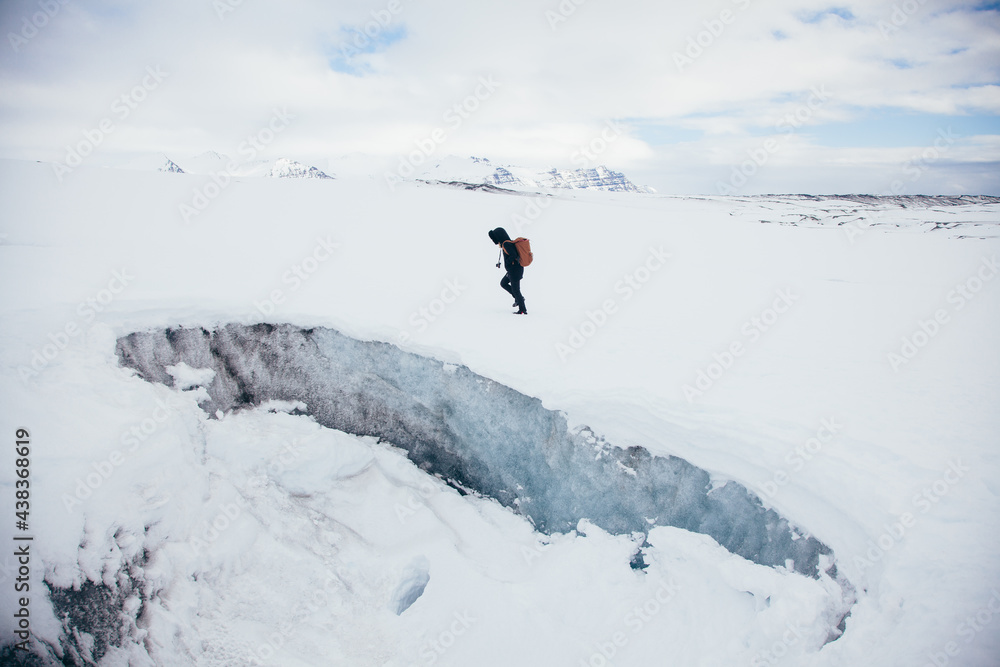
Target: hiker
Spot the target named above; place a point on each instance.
(512, 262)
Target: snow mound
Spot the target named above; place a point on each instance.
(186, 377)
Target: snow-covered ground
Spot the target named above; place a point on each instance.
(842, 363)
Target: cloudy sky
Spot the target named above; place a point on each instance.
(743, 96)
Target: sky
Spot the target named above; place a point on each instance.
(719, 97)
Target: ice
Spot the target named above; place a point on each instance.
(412, 585)
(476, 434)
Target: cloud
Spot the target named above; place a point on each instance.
(376, 77)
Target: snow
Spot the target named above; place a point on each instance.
(861, 407)
(186, 377)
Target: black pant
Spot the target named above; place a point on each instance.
(512, 283)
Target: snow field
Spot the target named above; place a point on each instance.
(903, 491)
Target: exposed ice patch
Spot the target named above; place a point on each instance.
(477, 435)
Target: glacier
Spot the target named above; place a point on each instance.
(475, 434)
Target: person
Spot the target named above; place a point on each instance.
(512, 263)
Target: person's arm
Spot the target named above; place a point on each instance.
(512, 256)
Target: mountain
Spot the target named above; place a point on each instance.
(476, 170)
(286, 168)
(598, 178)
(448, 169)
(171, 166)
(211, 162)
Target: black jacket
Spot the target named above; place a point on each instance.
(511, 257)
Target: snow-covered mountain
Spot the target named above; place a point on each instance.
(279, 168)
(211, 162)
(477, 170)
(171, 167)
(450, 169)
(598, 178)
(287, 168)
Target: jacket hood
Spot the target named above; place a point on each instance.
(499, 235)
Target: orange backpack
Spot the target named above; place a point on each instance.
(523, 250)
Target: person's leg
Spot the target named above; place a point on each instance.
(505, 283)
(515, 290)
